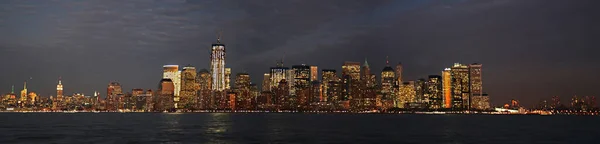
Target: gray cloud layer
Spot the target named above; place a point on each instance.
(530, 49)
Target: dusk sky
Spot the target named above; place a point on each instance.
(530, 49)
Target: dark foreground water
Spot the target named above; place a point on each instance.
(295, 128)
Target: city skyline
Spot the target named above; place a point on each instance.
(524, 60)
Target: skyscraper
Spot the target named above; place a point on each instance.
(165, 95)
(278, 73)
(406, 94)
(172, 72)
(59, 88)
(217, 66)
(399, 73)
(387, 80)
(351, 80)
(476, 87)
(366, 76)
(266, 83)
(330, 85)
(302, 76)
(227, 78)
(189, 87)
(206, 99)
(24, 92)
(460, 86)
(113, 91)
(447, 87)
(433, 92)
(242, 89)
(314, 73)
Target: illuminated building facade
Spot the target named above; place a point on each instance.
(59, 88)
(227, 78)
(433, 92)
(350, 80)
(302, 76)
(217, 66)
(242, 89)
(480, 102)
(205, 95)
(366, 76)
(166, 93)
(447, 87)
(406, 94)
(172, 72)
(330, 86)
(460, 86)
(189, 87)
(420, 91)
(399, 73)
(387, 80)
(281, 98)
(113, 91)
(314, 73)
(24, 93)
(266, 83)
(475, 83)
(278, 73)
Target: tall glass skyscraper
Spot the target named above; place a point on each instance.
(217, 66)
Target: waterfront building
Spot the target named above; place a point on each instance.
(277, 74)
(475, 83)
(205, 95)
(350, 80)
(433, 92)
(302, 76)
(407, 94)
(242, 90)
(59, 88)
(113, 91)
(189, 88)
(172, 72)
(227, 78)
(460, 86)
(314, 73)
(23, 97)
(330, 86)
(266, 83)
(387, 81)
(217, 66)
(166, 93)
(447, 88)
(481, 102)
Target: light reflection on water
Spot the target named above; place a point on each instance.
(293, 128)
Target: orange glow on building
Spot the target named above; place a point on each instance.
(446, 80)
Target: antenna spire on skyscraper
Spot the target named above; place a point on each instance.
(219, 35)
(387, 61)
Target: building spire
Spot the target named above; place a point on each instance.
(25, 85)
(219, 35)
(60, 80)
(12, 89)
(366, 63)
(387, 61)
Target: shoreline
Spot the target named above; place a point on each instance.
(323, 112)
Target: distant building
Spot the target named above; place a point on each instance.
(277, 74)
(189, 88)
(172, 72)
(242, 89)
(227, 78)
(166, 94)
(330, 86)
(460, 86)
(476, 82)
(350, 80)
(205, 95)
(59, 88)
(434, 93)
(480, 102)
(217, 66)
(302, 76)
(314, 73)
(266, 83)
(407, 94)
(447, 88)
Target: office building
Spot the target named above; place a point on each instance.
(217, 66)
(434, 92)
(172, 72)
(460, 86)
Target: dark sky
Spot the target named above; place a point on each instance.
(530, 49)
